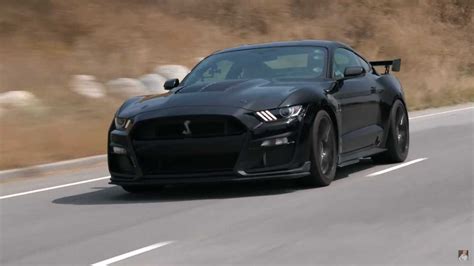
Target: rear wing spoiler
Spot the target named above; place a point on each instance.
(394, 64)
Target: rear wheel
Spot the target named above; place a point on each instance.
(398, 138)
(136, 189)
(323, 151)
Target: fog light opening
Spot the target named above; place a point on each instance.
(119, 150)
(275, 142)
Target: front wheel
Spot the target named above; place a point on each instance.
(323, 151)
(398, 138)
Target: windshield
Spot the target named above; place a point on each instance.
(282, 63)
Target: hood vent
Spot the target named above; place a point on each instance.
(208, 87)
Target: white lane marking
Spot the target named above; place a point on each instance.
(131, 254)
(55, 187)
(441, 113)
(397, 167)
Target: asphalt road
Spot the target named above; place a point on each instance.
(421, 213)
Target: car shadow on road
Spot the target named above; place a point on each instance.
(116, 195)
(344, 172)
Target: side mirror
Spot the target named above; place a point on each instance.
(353, 71)
(170, 84)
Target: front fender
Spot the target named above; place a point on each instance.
(318, 99)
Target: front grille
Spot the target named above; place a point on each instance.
(187, 127)
(186, 164)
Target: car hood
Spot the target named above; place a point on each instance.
(253, 95)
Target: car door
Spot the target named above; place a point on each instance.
(358, 103)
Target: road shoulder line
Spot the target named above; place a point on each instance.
(54, 187)
(441, 113)
(85, 161)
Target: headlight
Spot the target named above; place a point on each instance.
(292, 111)
(121, 123)
(280, 113)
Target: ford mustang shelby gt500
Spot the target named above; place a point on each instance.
(279, 110)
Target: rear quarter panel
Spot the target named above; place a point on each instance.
(392, 91)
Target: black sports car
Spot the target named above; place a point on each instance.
(279, 110)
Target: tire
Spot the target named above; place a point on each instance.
(323, 151)
(398, 138)
(137, 189)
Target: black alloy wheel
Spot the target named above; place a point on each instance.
(398, 138)
(323, 151)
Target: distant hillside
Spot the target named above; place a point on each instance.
(48, 40)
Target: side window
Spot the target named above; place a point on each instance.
(343, 58)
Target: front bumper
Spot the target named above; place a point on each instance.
(237, 157)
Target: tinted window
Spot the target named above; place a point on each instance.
(364, 64)
(279, 63)
(217, 71)
(343, 58)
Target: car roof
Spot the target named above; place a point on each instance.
(320, 43)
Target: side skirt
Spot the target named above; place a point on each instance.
(355, 156)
